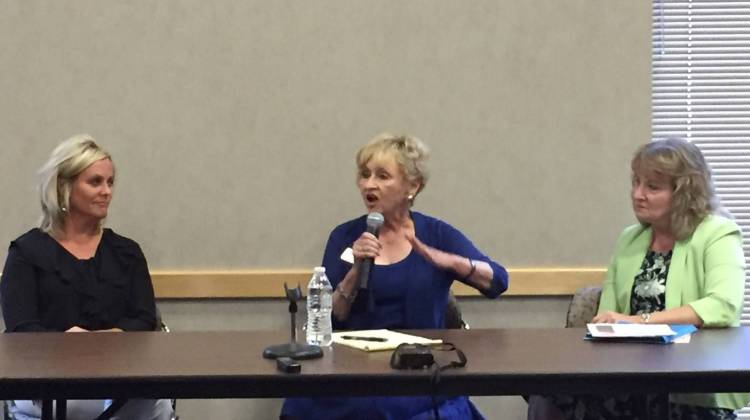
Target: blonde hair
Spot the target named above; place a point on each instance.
(409, 152)
(57, 175)
(693, 196)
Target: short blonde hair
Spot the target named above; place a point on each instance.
(409, 152)
(693, 196)
(69, 159)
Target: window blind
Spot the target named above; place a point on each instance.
(701, 92)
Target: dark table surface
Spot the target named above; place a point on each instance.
(229, 365)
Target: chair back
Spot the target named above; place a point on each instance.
(453, 318)
(160, 324)
(582, 309)
(583, 306)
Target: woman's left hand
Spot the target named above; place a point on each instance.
(611, 317)
(475, 273)
(440, 259)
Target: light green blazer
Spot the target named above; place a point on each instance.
(707, 272)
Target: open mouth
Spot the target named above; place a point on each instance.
(371, 198)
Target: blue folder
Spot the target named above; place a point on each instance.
(679, 329)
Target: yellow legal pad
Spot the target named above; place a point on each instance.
(379, 340)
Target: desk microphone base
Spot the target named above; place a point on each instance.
(296, 351)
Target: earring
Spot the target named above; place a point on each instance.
(411, 197)
(63, 209)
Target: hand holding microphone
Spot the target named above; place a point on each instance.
(369, 248)
(366, 246)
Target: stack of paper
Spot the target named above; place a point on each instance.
(653, 333)
(378, 340)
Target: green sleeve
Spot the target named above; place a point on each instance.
(724, 282)
(608, 301)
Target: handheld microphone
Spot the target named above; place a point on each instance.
(374, 222)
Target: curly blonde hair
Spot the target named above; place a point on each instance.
(693, 196)
(409, 152)
(69, 159)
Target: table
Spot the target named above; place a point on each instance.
(229, 365)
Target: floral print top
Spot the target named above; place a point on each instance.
(650, 284)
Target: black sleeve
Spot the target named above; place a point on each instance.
(141, 307)
(19, 294)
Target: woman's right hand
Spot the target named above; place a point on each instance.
(366, 246)
(612, 317)
(76, 329)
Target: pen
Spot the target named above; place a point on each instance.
(354, 337)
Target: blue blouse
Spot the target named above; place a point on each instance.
(409, 294)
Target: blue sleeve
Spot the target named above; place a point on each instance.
(336, 268)
(452, 240)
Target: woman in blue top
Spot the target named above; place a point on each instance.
(416, 259)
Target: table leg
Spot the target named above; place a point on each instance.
(61, 411)
(653, 406)
(663, 406)
(47, 410)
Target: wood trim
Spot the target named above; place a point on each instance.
(270, 283)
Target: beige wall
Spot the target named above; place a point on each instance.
(234, 123)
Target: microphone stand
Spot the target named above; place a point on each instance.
(293, 349)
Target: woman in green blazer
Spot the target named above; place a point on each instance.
(681, 264)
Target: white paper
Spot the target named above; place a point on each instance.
(630, 330)
(391, 339)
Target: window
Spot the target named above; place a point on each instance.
(701, 92)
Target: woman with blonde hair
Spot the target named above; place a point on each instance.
(416, 259)
(681, 264)
(72, 275)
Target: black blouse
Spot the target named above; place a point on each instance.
(45, 288)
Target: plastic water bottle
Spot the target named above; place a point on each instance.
(319, 306)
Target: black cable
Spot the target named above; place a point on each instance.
(111, 410)
(434, 383)
(436, 369)
(398, 361)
